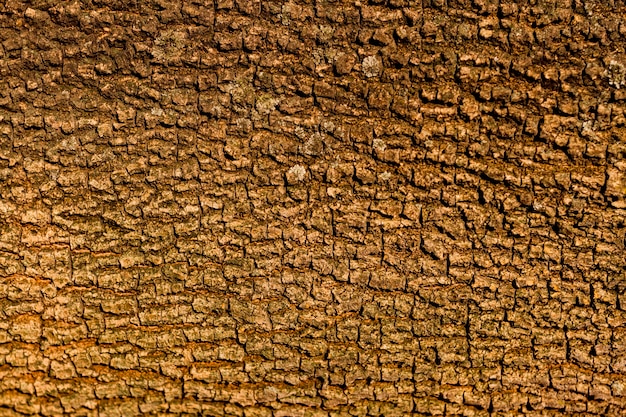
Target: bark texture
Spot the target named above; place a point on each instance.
(312, 208)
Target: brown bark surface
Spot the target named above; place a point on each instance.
(312, 208)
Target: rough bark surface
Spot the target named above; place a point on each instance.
(312, 208)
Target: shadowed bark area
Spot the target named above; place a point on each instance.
(312, 208)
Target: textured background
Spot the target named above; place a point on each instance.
(312, 208)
